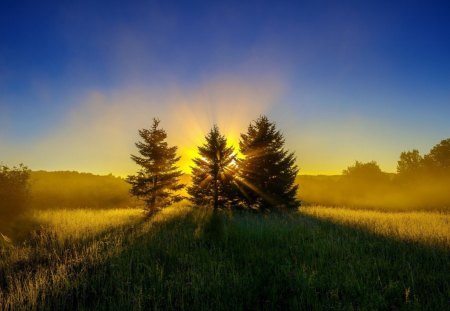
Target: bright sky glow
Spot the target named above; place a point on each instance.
(344, 81)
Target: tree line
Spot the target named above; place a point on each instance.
(410, 166)
(263, 179)
(422, 182)
(435, 164)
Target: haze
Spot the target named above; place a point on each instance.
(343, 81)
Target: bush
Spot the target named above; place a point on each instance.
(14, 193)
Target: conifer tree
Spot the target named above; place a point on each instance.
(267, 172)
(158, 180)
(213, 172)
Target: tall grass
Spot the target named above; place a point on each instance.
(65, 242)
(432, 228)
(178, 261)
(82, 223)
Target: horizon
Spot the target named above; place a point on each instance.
(343, 82)
(184, 173)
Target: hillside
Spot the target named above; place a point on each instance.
(391, 192)
(50, 190)
(53, 190)
(70, 189)
(181, 260)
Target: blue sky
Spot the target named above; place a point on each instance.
(345, 81)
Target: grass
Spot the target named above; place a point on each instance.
(64, 241)
(188, 259)
(83, 223)
(431, 228)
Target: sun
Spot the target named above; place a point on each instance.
(190, 152)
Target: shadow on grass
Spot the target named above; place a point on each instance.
(42, 262)
(259, 262)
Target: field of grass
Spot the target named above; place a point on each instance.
(83, 223)
(190, 259)
(58, 242)
(430, 228)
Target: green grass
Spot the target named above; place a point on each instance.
(190, 260)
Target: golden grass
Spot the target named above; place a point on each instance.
(82, 223)
(149, 260)
(426, 227)
(65, 240)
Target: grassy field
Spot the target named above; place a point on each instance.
(83, 223)
(428, 228)
(186, 259)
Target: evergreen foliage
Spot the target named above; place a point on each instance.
(158, 180)
(213, 172)
(267, 172)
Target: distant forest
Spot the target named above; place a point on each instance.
(421, 183)
(53, 190)
(50, 190)
(70, 189)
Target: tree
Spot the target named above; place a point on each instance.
(364, 172)
(14, 192)
(267, 172)
(158, 180)
(439, 156)
(213, 172)
(362, 179)
(410, 163)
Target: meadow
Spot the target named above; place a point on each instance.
(428, 228)
(187, 258)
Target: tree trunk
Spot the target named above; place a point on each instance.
(153, 204)
(216, 194)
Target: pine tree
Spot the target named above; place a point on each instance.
(158, 180)
(213, 172)
(267, 172)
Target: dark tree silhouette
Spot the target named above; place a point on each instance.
(364, 172)
(158, 180)
(213, 171)
(267, 172)
(362, 180)
(14, 192)
(439, 156)
(410, 163)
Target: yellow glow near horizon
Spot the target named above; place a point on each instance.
(229, 106)
(98, 134)
(188, 153)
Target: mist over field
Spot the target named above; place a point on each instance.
(224, 155)
(66, 234)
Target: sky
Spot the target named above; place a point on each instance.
(342, 80)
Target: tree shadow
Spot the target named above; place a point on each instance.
(408, 274)
(268, 262)
(37, 261)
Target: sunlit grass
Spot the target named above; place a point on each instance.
(82, 223)
(59, 244)
(426, 227)
(177, 259)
